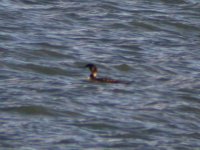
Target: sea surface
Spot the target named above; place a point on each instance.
(47, 101)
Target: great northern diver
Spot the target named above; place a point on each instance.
(93, 75)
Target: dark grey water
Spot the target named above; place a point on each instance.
(46, 101)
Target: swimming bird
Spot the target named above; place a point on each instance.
(93, 75)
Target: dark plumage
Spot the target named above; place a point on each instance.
(93, 75)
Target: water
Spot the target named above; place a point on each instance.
(47, 101)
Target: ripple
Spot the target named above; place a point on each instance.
(46, 101)
(30, 110)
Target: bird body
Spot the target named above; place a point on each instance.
(93, 75)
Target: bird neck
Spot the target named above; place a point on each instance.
(93, 75)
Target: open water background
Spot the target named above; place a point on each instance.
(46, 101)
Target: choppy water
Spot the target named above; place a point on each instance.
(46, 101)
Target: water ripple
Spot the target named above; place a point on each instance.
(47, 101)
